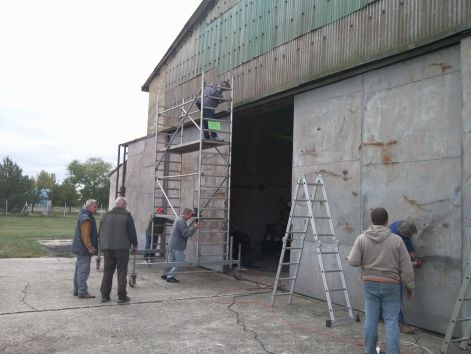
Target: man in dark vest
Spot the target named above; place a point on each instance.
(117, 234)
(84, 245)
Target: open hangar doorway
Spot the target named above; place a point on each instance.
(261, 174)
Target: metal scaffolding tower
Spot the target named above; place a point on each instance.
(188, 157)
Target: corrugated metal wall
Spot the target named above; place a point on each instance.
(252, 28)
(274, 45)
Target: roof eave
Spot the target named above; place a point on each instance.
(196, 15)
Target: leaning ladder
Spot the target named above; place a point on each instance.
(465, 340)
(321, 228)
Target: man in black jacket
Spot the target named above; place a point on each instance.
(117, 234)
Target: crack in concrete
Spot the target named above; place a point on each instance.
(37, 336)
(244, 327)
(134, 303)
(25, 293)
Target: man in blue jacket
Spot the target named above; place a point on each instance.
(84, 245)
(178, 240)
(406, 230)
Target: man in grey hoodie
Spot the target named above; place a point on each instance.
(176, 249)
(384, 262)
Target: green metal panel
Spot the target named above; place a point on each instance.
(254, 27)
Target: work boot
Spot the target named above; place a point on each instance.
(172, 280)
(163, 277)
(405, 328)
(86, 296)
(123, 300)
(105, 298)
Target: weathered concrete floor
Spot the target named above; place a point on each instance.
(205, 313)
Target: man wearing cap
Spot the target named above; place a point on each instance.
(212, 97)
(406, 230)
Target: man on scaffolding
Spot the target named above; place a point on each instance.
(212, 97)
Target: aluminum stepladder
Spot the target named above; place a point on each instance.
(313, 209)
(465, 340)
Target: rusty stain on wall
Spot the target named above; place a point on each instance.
(380, 143)
(442, 66)
(333, 174)
(415, 203)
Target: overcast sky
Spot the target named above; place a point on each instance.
(71, 74)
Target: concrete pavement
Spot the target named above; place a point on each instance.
(204, 313)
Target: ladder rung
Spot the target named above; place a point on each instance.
(321, 217)
(335, 289)
(341, 308)
(288, 263)
(459, 339)
(329, 252)
(333, 271)
(324, 235)
(314, 184)
(291, 278)
(463, 319)
(282, 294)
(301, 216)
(293, 248)
(297, 232)
(467, 299)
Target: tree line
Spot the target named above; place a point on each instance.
(85, 180)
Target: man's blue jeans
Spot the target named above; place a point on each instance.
(383, 297)
(174, 256)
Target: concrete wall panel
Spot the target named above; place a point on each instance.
(416, 69)
(139, 184)
(328, 124)
(402, 149)
(416, 121)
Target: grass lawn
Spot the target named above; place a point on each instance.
(18, 234)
